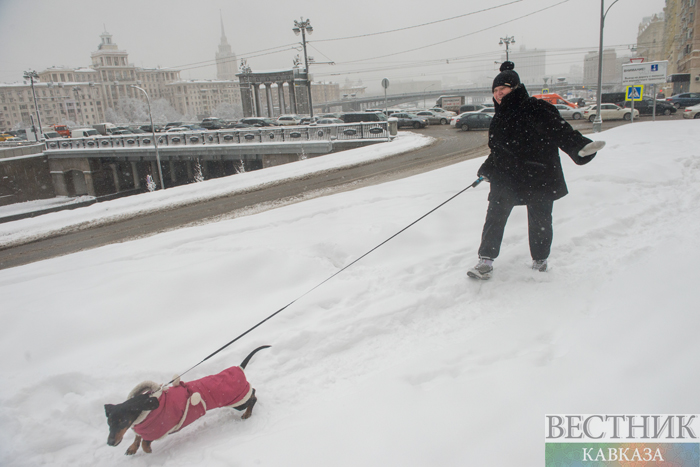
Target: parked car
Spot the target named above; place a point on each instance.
(470, 108)
(440, 110)
(258, 121)
(212, 123)
(284, 120)
(567, 112)
(473, 120)
(356, 117)
(692, 111)
(646, 106)
(235, 125)
(412, 120)
(147, 128)
(50, 135)
(434, 118)
(686, 99)
(609, 112)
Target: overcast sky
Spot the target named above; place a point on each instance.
(461, 42)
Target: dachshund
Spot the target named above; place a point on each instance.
(154, 412)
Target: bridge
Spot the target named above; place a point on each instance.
(107, 165)
(478, 95)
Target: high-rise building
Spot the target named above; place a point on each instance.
(650, 38)
(226, 66)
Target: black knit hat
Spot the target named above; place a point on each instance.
(507, 76)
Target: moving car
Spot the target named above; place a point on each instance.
(5, 136)
(609, 112)
(284, 120)
(434, 118)
(692, 112)
(473, 120)
(62, 130)
(51, 135)
(356, 117)
(408, 119)
(329, 121)
(686, 99)
(258, 121)
(567, 112)
(212, 123)
(84, 133)
(646, 106)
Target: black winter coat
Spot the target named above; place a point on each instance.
(525, 136)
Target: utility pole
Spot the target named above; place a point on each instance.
(302, 27)
(31, 75)
(598, 122)
(507, 41)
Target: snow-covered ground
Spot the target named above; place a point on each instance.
(398, 360)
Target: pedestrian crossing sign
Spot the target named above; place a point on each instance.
(634, 93)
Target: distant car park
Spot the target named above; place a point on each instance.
(567, 112)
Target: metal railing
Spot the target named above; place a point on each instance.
(291, 134)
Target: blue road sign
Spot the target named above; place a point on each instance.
(634, 93)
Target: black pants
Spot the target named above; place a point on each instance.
(539, 221)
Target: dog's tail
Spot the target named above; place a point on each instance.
(250, 355)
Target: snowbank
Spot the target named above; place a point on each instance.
(400, 359)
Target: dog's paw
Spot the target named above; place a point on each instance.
(131, 451)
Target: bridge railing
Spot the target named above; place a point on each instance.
(291, 134)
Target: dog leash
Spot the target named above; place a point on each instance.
(473, 185)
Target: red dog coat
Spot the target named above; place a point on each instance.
(183, 404)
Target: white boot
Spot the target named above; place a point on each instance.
(482, 270)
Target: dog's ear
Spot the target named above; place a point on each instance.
(109, 408)
(144, 402)
(152, 403)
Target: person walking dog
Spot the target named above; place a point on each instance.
(524, 167)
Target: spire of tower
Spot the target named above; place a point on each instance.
(223, 35)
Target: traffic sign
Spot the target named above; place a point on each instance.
(545, 91)
(644, 73)
(634, 93)
(385, 83)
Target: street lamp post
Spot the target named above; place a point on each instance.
(153, 132)
(598, 122)
(507, 41)
(31, 75)
(302, 27)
